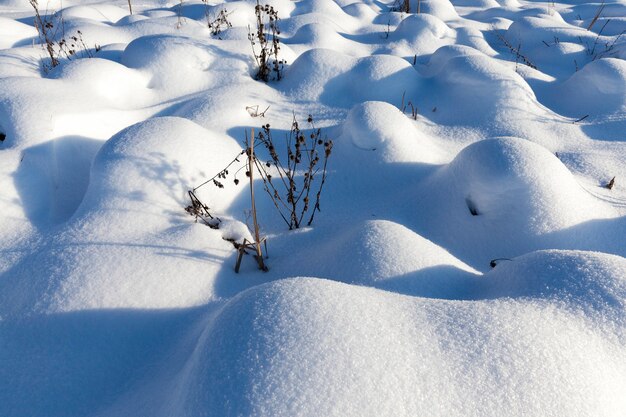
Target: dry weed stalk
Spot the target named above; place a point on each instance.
(257, 235)
(269, 66)
(597, 16)
(201, 211)
(519, 57)
(611, 184)
(218, 23)
(288, 179)
(48, 29)
(403, 107)
(253, 111)
(291, 187)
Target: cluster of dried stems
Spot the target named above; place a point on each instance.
(404, 107)
(517, 51)
(292, 177)
(217, 23)
(601, 48)
(266, 44)
(48, 28)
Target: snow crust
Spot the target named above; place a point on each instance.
(468, 258)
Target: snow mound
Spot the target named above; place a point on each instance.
(12, 32)
(599, 88)
(137, 194)
(548, 41)
(375, 125)
(441, 9)
(483, 4)
(506, 194)
(385, 255)
(95, 12)
(320, 35)
(420, 34)
(468, 87)
(387, 78)
(361, 11)
(314, 347)
(592, 282)
(117, 84)
(337, 79)
(174, 62)
(309, 74)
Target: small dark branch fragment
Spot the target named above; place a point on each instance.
(597, 16)
(201, 211)
(581, 119)
(611, 184)
(494, 262)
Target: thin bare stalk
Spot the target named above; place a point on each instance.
(257, 235)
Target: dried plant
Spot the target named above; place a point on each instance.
(256, 245)
(597, 16)
(494, 262)
(608, 46)
(519, 57)
(179, 15)
(293, 176)
(610, 184)
(290, 179)
(266, 44)
(48, 27)
(130, 7)
(217, 23)
(404, 107)
(47, 32)
(253, 111)
(294, 181)
(201, 211)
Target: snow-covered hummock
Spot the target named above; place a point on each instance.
(475, 133)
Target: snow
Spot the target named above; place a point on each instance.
(468, 258)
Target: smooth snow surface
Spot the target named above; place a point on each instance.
(468, 258)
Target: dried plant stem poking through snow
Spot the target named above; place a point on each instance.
(48, 28)
(519, 57)
(257, 235)
(296, 173)
(217, 23)
(201, 211)
(288, 180)
(269, 66)
(44, 27)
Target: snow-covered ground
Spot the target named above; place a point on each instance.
(471, 131)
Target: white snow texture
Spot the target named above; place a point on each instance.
(468, 257)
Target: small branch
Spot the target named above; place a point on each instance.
(257, 238)
(581, 119)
